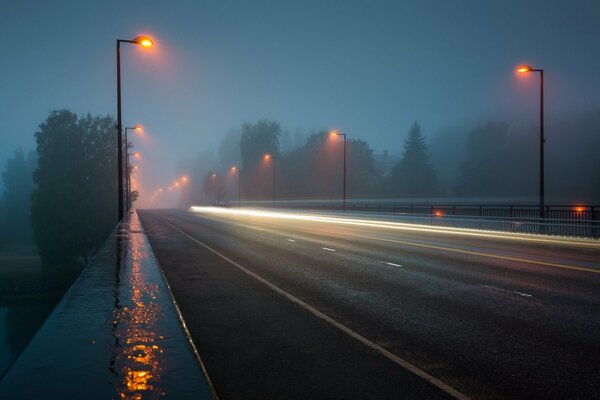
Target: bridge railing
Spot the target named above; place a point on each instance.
(582, 221)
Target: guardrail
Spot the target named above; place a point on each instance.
(583, 221)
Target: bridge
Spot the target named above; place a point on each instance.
(238, 302)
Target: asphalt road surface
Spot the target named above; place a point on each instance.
(290, 306)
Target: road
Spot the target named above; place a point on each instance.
(287, 305)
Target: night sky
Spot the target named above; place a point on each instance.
(371, 68)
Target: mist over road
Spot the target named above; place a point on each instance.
(491, 316)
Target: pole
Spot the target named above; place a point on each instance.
(239, 176)
(274, 178)
(127, 174)
(344, 185)
(119, 138)
(542, 140)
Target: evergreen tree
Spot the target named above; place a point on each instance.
(414, 175)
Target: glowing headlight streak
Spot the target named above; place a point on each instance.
(508, 236)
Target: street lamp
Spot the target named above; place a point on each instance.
(337, 134)
(235, 169)
(136, 128)
(269, 157)
(526, 69)
(146, 42)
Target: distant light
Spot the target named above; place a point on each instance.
(267, 157)
(144, 41)
(233, 168)
(334, 133)
(213, 175)
(176, 184)
(579, 209)
(438, 213)
(184, 178)
(138, 128)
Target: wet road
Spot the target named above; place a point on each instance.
(290, 306)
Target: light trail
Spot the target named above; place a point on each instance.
(507, 236)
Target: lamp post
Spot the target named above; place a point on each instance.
(526, 69)
(143, 41)
(237, 170)
(128, 179)
(137, 128)
(268, 157)
(336, 134)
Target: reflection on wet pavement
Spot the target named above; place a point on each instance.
(115, 334)
(138, 357)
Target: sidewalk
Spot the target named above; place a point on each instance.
(116, 334)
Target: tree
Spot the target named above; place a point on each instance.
(15, 220)
(414, 175)
(257, 140)
(73, 206)
(495, 163)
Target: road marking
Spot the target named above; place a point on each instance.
(291, 240)
(327, 249)
(478, 253)
(392, 264)
(506, 290)
(386, 353)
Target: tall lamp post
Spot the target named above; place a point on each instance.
(235, 169)
(143, 41)
(336, 134)
(137, 128)
(526, 69)
(268, 157)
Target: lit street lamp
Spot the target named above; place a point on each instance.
(268, 157)
(144, 42)
(336, 134)
(526, 69)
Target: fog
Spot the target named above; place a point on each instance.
(369, 69)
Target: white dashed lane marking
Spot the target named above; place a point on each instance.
(291, 240)
(507, 291)
(392, 264)
(327, 249)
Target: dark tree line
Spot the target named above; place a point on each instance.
(15, 203)
(491, 160)
(73, 204)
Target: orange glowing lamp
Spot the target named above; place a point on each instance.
(579, 209)
(184, 178)
(524, 68)
(334, 133)
(267, 157)
(144, 41)
(438, 213)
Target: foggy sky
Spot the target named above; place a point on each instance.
(370, 68)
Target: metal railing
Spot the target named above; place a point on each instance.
(582, 221)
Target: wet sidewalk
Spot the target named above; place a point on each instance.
(116, 334)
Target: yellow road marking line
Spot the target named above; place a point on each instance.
(386, 353)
